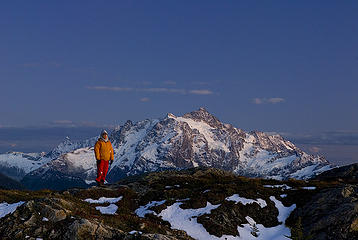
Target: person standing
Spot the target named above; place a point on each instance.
(104, 155)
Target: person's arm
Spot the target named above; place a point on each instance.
(112, 154)
(97, 146)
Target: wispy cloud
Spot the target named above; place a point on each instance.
(116, 89)
(331, 137)
(145, 99)
(62, 122)
(153, 90)
(201, 92)
(273, 100)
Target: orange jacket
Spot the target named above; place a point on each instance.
(103, 150)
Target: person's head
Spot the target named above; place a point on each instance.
(104, 134)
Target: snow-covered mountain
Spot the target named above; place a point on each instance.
(196, 139)
(16, 164)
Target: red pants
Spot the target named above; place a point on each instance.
(102, 169)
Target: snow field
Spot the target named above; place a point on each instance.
(186, 220)
(206, 130)
(8, 208)
(110, 209)
(308, 171)
(25, 162)
(82, 158)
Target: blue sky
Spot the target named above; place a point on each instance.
(281, 66)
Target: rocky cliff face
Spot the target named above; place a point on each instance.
(196, 139)
(188, 204)
(332, 212)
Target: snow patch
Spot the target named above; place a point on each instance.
(110, 209)
(89, 182)
(8, 208)
(104, 200)
(143, 210)
(282, 186)
(310, 171)
(207, 131)
(237, 199)
(186, 219)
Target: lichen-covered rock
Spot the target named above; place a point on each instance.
(87, 229)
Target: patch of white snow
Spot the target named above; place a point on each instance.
(8, 208)
(237, 199)
(110, 210)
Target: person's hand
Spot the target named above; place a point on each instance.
(110, 162)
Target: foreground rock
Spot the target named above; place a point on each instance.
(189, 204)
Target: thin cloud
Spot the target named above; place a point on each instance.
(328, 138)
(275, 100)
(116, 89)
(162, 90)
(200, 83)
(62, 122)
(268, 100)
(144, 99)
(153, 90)
(201, 92)
(257, 101)
(314, 149)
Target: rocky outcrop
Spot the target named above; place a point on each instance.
(330, 214)
(239, 205)
(347, 173)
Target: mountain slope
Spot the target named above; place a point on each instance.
(16, 164)
(8, 183)
(196, 139)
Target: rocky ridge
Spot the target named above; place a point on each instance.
(143, 204)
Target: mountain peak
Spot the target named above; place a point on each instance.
(203, 115)
(171, 115)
